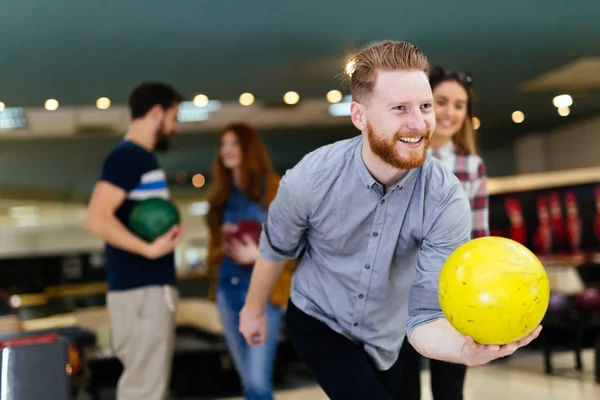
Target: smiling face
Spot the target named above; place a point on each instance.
(398, 117)
(230, 150)
(450, 108)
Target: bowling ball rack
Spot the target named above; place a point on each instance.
(575, 327)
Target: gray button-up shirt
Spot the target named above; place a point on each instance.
(371, 260)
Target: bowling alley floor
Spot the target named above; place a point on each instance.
(519, 378)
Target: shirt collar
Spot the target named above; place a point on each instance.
(363, 172)
(366, 176)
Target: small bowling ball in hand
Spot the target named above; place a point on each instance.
(251, 228)
(153, 217)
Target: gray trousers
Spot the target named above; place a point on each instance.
(142, 332)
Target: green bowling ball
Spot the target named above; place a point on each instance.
(153, 217)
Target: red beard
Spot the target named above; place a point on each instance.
(387, 150)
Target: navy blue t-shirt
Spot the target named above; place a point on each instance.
(136, 171)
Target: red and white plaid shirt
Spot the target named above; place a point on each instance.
(470, 171)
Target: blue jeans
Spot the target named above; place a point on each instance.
(254, 364)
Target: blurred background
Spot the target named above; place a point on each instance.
(67, 68)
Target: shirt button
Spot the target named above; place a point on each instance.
(382, 201)
(360, 296)
(235, 280)
(355, 324)
(375, 234)
(367, 266)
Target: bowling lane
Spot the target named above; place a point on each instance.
(520, 378)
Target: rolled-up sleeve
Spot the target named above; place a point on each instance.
(283, 234)
(449, 229)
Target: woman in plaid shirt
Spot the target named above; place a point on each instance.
(453, 143)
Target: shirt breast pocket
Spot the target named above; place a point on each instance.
(229, 216)
(325, 231)
(336, 234)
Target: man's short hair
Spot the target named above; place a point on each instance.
(148, 94)
(361, 71)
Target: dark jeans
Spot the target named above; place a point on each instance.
(341, 367)
(447, 379)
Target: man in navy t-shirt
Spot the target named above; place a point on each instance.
(142, 298)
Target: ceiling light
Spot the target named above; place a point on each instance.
(246, 99)
(51, 105)
(198, 180)
(291, 98)
(12, 118)
(190, 112)
(181, 177)
(564, 100)
(476, 123)
(201, 100)
(334, 96)
(518, 117)
(103, 103)
(564, 111)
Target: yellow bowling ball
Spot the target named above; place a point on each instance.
(494, 290)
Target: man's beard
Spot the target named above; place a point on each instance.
(387, 150)
(163, 141)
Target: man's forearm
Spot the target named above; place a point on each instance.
(111, 230)
(264, 277)
(438, 340)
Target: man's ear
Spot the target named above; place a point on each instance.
(156, 113)
(357, 115)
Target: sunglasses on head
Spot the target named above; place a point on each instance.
(439, 74)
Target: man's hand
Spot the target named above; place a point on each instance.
(253, 326)
(474, 354)
(102, 223)
(253, 321)
(165, 244)
(439, 340)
